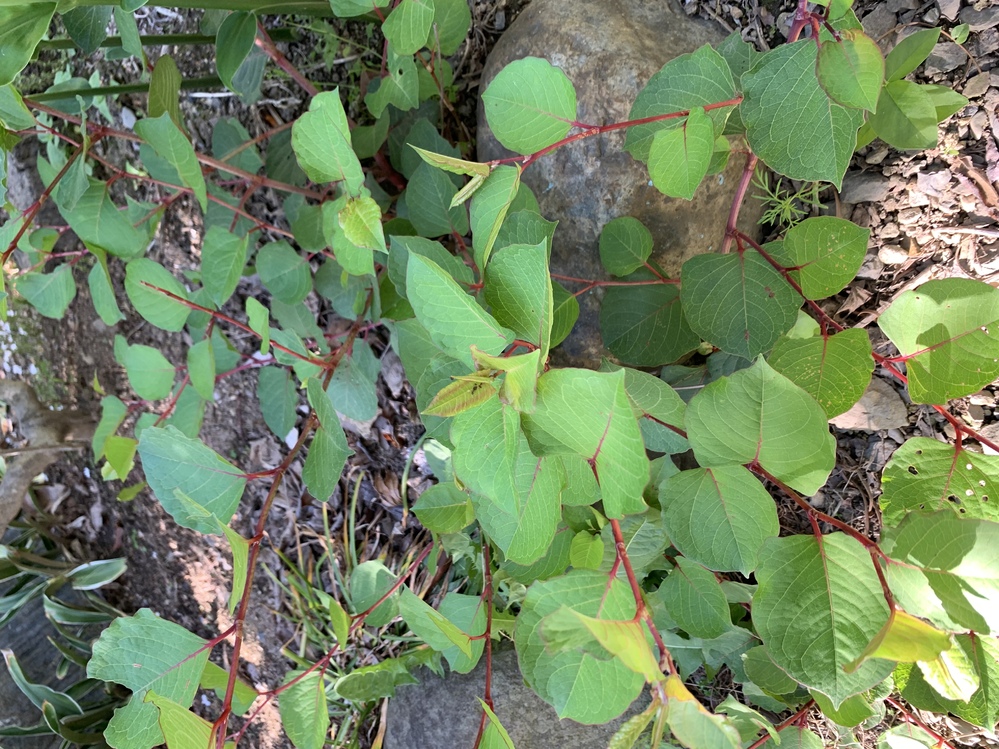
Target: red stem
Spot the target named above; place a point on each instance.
(265, 43)
(731, 226)
(784, 724)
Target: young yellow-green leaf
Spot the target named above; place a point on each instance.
(233, 43)
(113, 413)
(444, 508)
(694, 598)
(694, 727)
(304, 714)
(453, 318)
(904, 638)
(835, 370)
(180, 470)
(495, 736)
(530, 105)
(489, 207)
(150, 374)
(164, 90)
(453, 165)
(952, 674)
(520, 381)
(201, 368)
(408, 25)
(258, 318)
(21, 28)
(217, 680)
(941, 569)
(825, 253)
(625, 245)
(645, 325)
(143, 279)
(459, 396)
(565, 629)
(679, 158)
(854, 710)
(590, 414)
(925, 474)
(818, 605)
(628, 734)
(586, 551)
(321, 140)
(684, 83)
(361, 221)
(240, 553)
(49, 293)
(120, 455)
(223, 257)
(909, 53)
(851, 69)
(581, 686)
(745, 417)
(906, 117)
(142, 653)
(181, 727)
(738, 302)
(172, 145)
(328, 454)
(946, 330)
(284, 272)
(783, 88)
(518, 289)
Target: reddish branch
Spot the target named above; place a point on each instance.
(265, 43)
(798, 717)
(487, 601)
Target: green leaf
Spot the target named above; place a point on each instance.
(783, 88)
(631, 730)
(589, 413)
(49, 293)
(468, 614)
(694, 598)
(164, 90)
(113, 413)
(794, 737)
(258, 318)
(909, 53)
(679, 158)
(738, 53)
(851, 70)
(763, 672)
(217, 679)
(684, 83)
(39, 694)
(835, 370)
(88, 26)
(328, 454)
(924, 474)
(180, 726)
(906, 117)
(21, 28)
(946, 101)
(361, 221)
(586, 551)
(142, 653)
(352, 387)
(97, 221)
(428, 196)
(452, 317)
(321, 140)
(625, 245)
(143, 279)
(559, 678)
(565, 312)
(120, 455)
(277, 393)
(102, 293)
(730, 501)
(284, 272)
(824, 252)
(408, 25)
(402, 247)
(201, 368)
(530, 105)
(452, 20)
(371, 683)
(444, 508)
(515, 494)
(459, 396)
(905, 638)
(565, 629)
(941, 569)
(368, 583)
(694, 727)
(518, 290)
(304, 715)
(645, 325)
(738, 302)
(944, 330)
(495, 736)
(401, 88)
(223, 257)
(173, 146)
(431, 626)
(452, 164)
(489, 207)
(150, 374)
(745, 417)
(818, 605)
(182, 471)
(240, 553)
(233, 43)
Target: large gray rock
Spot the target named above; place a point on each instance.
(609, 49)
(445, 712)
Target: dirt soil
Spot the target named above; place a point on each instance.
(932, 215)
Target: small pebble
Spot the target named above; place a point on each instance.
(892, 254)
(977, 85)
(877, 156)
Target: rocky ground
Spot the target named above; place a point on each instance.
(932, 214)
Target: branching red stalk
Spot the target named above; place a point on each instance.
(487, 601)
(265, 43)
(910, 717)
(802, 712)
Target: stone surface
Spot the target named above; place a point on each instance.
(945, 57)
(949, 8)
(445, 712)
(881, 407)
(980, 20)
(864, 187)
(609, 49)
